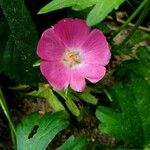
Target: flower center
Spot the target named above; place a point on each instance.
(72, 58)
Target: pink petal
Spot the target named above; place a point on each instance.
(93, 73)
(77, 82)
(95, 49)
(72, 32)
(50, 46)
(57, 74)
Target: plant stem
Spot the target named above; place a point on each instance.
(131, 17)
(108, 95)
(6, 112)
(69, 102)
(138, 22)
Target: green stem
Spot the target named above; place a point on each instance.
(69, 102)
(108, 95)
(6, 112)
(53, 101)
(138, 22)
(13, 138)
(131, 17)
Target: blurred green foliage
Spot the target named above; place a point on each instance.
(18, 42)
(128, 119)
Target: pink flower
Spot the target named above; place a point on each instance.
(71, 53)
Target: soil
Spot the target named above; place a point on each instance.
(88, 126)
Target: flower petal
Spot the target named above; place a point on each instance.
(50, 46)
(92, 72)
(57, 74)
(72, 32)
(77, 82)
(95, 49)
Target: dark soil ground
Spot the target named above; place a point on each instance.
(88, 126)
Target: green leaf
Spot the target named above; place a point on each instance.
(138, 37)
(34, 133)
(45, 91)
(132, 123)
(59, 4)
(72, 106)
(101, 8)
(55, 5)
(81, 5)
(69, 102)
(87, 96)
(73, 143)
(37, 63)
(147, 147)
(128, 119)
(17, 47)
(139, 67)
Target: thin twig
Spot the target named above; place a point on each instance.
(130, 24)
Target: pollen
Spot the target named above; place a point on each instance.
(72, 58)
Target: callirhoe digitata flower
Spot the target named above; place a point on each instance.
(71, 52)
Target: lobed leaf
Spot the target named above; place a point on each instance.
(101, 8)
(34, 133)
(73, 143)
(128, 119)
(45, 91)
(87, 96)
